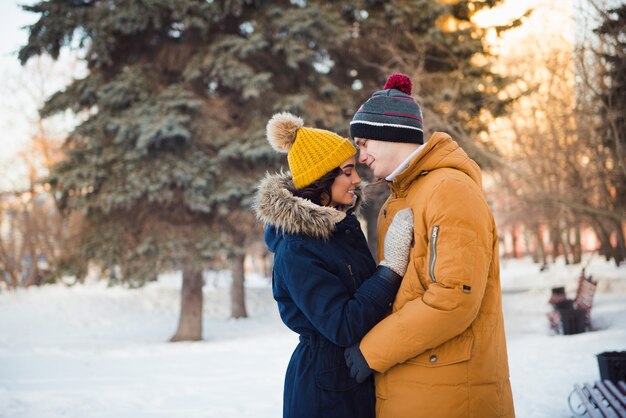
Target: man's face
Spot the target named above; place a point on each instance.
(379, 156)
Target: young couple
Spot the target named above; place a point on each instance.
(422, 333)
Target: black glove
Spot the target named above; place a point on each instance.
(359, 369)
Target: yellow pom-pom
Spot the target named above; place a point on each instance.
(281, 130)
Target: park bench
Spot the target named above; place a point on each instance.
(573, 316)
(603, 399)
(584, 296)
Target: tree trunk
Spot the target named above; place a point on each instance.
(268, 264)
(578, 250)
(376, 196)
(514, 238)
(620, 247)
(568, 251)
(237, 292)
(531, 238)
(370, 213)
(190, 322)
(558, 244)
(540, 254)
(541, 247)
(606, 249)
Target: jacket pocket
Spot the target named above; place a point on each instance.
(413, 284)
(456, 350)
(381, 385)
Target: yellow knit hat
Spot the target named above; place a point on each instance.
(311, 152)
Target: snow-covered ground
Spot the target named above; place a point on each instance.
(94, 351)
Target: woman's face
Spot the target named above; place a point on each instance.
(342, 190)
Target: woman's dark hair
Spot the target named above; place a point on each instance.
(319, 192)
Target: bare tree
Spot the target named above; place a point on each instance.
(34, 239)
(556, 166)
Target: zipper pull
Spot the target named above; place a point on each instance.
(433, 253)
(352, 276)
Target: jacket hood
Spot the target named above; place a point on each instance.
(441, 151)
(276, 206)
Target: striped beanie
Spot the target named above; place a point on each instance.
(390, 114)
(311, 152)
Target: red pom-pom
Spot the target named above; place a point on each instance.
(400, 82)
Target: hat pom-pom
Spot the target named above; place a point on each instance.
(281, 130)
(400, 82)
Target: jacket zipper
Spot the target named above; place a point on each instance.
(433, 252)
(352, 275)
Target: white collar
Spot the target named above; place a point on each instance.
(404, 165)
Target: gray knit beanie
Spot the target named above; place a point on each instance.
(390, 114)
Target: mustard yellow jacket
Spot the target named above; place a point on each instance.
(442, 350)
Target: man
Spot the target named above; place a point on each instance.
(441, 352)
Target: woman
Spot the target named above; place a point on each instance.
(325, 282)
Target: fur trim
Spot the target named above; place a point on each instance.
(281, 130)
(275, 204)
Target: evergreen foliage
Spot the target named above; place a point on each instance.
(179, 92)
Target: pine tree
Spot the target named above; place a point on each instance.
(172, 142)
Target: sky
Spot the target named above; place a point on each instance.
(11, 34)
(12, 37)
(548, 19)
(24, 89)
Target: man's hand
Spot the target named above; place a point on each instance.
(359, 369)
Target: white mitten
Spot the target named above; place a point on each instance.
(398, 242)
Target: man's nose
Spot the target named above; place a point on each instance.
(362, 156)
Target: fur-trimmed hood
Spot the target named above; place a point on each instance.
(275, 205)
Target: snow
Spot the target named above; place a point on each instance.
(97, 351)
(545, 367)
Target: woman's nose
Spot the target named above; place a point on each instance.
(357, 178)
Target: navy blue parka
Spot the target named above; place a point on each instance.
(328, 291)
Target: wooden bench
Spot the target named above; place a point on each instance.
(583, 301)
(604, 399)
(584, 296)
